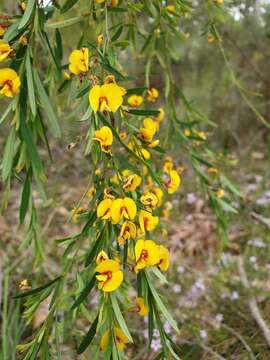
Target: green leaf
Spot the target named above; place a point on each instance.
(68, 5)
(31, 147)
(36, 290)
(83, 91)
(8, 154)
(28, 13)
(230, 186)
(226, 206)
(136, 91)
(143, 112)
(117, 33)
(7, 111)
(30, 85)
(25, 198)
(88, 337)
(160, 304)
(85, 292)
(47, 106)
(159, 275)
(119, 317)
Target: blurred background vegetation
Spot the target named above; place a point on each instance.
(207, 292)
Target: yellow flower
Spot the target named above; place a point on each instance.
(187, 132)
(105, 138)
(140, 151)
(123, 135)
(79, 61)
(148, 130)
(76, 212)
(170, 8)
(212, 170)
(104, 209)
(99, 1)
(131, 182)
(164, 258)
(123, 208)
(154, 144)
(114, 3)
(135, 100)
(147, 221)
(9, 82)
(220, 193)
(2, 30)
(160, 115)
(66, 75)
(159, 194)
(108, 97)
(119, 337)
(168, 166)
(174, 181)
(149, 199)
(143, 309)
(211, 38)
(100, 39)
(108, 193)
(167, 209)
(152, 94)
(102, 256)
(128, 230)
(5, 50)
(110, 276)
(90, 192)
(146, 254)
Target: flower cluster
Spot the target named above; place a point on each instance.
(9, 79)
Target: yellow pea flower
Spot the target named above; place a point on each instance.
(143, 309)
(131, 182)
(146, 254)
(140, 151)
(9, 82)
(212, 170)
(3, 29)
(211, 38)
(164, 258)
(170, 8)
(110, 276)
(148, 130)
(152, 94)
(167, 209)
(102, 256)
(100, 39)
(107, 97)
(159, 194)
(114, 3)
(99, 1)
(168, 166)
(108, 193)
(5, 50)
(79, 61)
(76, 211)
(154, 144)
(135, 100)
(128, 230)
(160, 115)
(220, 193)
(123, 208)
(149, 199)
(90, 192)
(147, 221)
(174, 181)
(105, 138)
(187, 132)
(123, 135)
(119, 337)
(104, 209)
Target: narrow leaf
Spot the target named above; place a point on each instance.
(88, 337)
